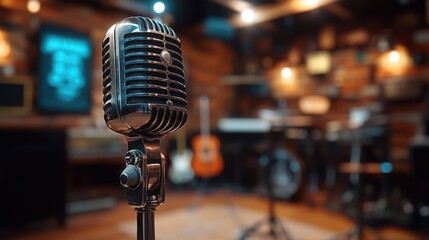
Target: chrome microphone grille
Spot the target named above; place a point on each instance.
(107, 79)
(147, 78)
(143, 78)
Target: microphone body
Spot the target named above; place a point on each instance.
(144, 91)
(144, 96)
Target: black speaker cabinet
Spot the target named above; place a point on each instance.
(32, 177)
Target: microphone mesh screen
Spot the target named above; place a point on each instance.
(147, 79)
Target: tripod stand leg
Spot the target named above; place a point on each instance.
(276, 229)
(279, 230)
(248, 232)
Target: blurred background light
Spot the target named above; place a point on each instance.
(33, 6)
(159, 7)
(248, 15)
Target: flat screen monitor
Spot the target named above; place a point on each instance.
(65, 64)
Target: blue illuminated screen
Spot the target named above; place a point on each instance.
(64, 71)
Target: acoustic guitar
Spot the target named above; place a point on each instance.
(180, 171)
(207, 161)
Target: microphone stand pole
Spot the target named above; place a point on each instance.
(144, 181)
(145, 224)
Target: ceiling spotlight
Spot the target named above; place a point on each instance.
(248, 15)
(33, 6)
(159, 7)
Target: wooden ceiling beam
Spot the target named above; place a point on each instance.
(339, 11)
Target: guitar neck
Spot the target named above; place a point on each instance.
(181, 141)
(205, 116)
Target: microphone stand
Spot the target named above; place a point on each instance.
(144, 182)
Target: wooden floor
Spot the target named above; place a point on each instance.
(103, 224)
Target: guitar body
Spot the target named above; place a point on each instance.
(180, 171)
(207, 161)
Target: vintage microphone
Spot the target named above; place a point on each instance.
(144, 95)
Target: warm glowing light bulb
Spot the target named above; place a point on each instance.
(4, 48)
(286, 73)
(311, 2)
(247, 15)
(394, 56)
(33, 6)
(159, 7)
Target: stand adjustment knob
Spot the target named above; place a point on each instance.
(130, 177)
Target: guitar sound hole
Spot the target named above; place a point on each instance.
(206, 151)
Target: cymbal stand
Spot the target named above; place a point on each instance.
(276, 229)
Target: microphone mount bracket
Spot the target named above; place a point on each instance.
(144, 175)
